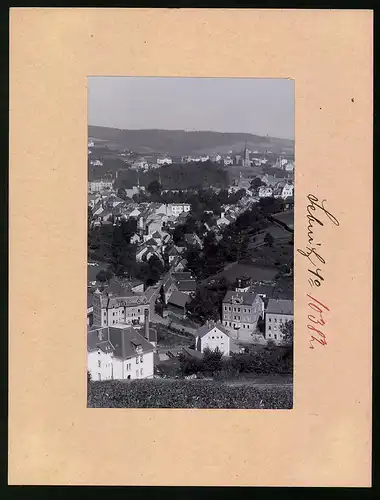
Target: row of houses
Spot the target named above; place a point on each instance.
(279, 190)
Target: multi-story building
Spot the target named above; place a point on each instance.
(98, 186)
(119, 306)
(241, 311)
(119, 352)
(277, 313)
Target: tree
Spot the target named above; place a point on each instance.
(122, 193)
(269, 240)
(178, 234)
(104, 275)
(256, 183)
(287, 331)
(156, 268)
(212, 360)
(162, 295)
(154, 187)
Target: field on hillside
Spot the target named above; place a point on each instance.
(158, 393)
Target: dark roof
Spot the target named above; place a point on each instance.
(179, 299)
(247, 298)
(280, 306)
(172, 251)
(182, 275)
(121, 339)
(192, 353)
(264, 290)
(187, 286)
(203, 330)
(167, 284)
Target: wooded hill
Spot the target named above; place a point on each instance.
(181, 142)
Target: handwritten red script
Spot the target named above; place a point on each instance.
(316, 211)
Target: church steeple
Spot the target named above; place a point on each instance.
(246, 161)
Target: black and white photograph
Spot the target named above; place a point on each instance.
(190, 242)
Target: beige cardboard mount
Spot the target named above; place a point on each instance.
(54, 439)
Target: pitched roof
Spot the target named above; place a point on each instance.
(187, 286)
(179, 299)
(247, 298)
(126, 340)
(203, 330)
(186, 275)
(168, 283)
(280, 306)
(192, 353)
(266, 290)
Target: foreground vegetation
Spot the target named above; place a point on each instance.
(186, 394)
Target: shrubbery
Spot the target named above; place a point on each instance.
(270, 360)
(186, 394)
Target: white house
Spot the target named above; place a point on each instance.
(213, 335)
(204, 158)
(175, 209)
(119, 353)
(265, 191)
(228, 161)
(289, 167)
(287, 191)
(165, 160)
(223, 220)
(216, 158)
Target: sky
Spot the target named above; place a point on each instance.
(252, 105)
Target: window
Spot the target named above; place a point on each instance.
(269, 328)
(99, 376)
(275, 336)
(137, 373)
(141, 371)
(238, 309)
(212, 337)
(99, 363)
(280, 320)
(269, 319)
(230, 323)
(141, 359)
(275, 320)
(138, 310)
(137, 360)
(229, 308)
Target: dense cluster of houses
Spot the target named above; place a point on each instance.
(121, 342)
(156, 222)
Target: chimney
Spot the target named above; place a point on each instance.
(146, 324)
